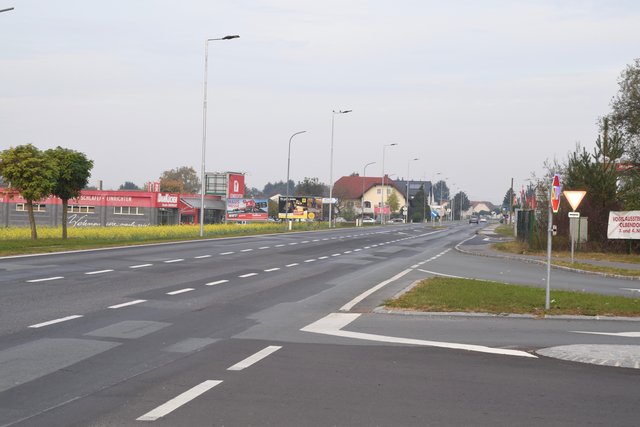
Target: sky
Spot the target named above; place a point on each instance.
(478, 92)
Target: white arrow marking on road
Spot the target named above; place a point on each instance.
(333, 323)
(613, 334)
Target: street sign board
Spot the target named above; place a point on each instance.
(574, 198)
(574, 214)
(556, 191)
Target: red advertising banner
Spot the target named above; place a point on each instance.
(235, 189)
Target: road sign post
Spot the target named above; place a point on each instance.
(574, 198)
(554, 206)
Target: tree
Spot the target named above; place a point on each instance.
(72, 172)
(393, 202)
(128, 185)
(440, 192)
(31, 173)
(418, 211)
(509, 200)
(279, 187)
(625, 115)
(185, 176)
(460, 204)
(311, 187)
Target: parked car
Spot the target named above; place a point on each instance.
(397, 220)
(473, 219)
(368, 221)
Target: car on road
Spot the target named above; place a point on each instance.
(396, 220)
(368, 221)
(483, 219)
(473, 219)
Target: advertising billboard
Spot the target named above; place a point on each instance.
(236, 186)
(307, 208)
(624, 225)
(247, 209)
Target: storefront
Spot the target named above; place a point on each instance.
(94, 208)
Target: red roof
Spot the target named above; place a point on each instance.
(350, 187)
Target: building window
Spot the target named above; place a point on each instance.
(367, 205)
(81, 209)
(378, 190)
(37, 207)
(128, 210)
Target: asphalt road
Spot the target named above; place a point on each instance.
(278, 330)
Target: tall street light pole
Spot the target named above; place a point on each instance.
(382, 190)
(333, 119)
(406, 215)
(288, 167)
(204, 128)
(364, 176)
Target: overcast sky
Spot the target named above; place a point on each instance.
(479, 91)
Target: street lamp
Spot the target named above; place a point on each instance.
(406, 220)
(364, 176)
(204, 128)
(382, 191)
(6, 10)
(288, 167)
(333, 119)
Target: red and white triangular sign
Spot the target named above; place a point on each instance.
(574, 198)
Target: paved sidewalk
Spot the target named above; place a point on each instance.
(626, 356)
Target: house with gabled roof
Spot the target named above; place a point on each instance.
(365, 195)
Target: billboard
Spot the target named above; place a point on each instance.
(300, 208)
(247, 209)
(225, 184)
(236, 185)
(624, 225)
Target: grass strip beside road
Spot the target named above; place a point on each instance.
(441, 294)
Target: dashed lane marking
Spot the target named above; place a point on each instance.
(203, 256)
(179, 401)
(226, 253)
(251, 360)
(269, 270)
(98, 272)
(127, 304)
(141, 266)
(171, 261)
(53, 322)
(217, 282)
(180, 291)
(292, 265)
(244, 276)
(46, 279)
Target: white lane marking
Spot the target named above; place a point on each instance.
(269, 270)
(279, 246)
(613, 334)
(226, 253)
(178, 401)
(246, 250)
(336, 254)
(357, 250)
(630, 289)
(347, 252)
(244, 276)
(217, 282)
(292, 265)
(180, 291)
(141, 265)
(441, 274)
(315, 240)
(202, 256)
(265, 247)
(174, 260)
(294, 243)
(243, 364)
(348, 306)
(309, 260)
(127, 304)
(334, 322)
(98, 272)
(53, 322)
(305, 241)
(323, 257)
(367, 247)
(415, 266)
(46, 279)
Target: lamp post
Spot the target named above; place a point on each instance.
(204, 128)
(382, 191)
(6, 10)
(406, 215)
(364, 176)
(333, 119)
(288, 167)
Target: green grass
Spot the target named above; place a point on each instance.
(504, 230)
(476, 296)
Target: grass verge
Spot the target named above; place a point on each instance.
(476, 296)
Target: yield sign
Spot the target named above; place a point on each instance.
(556, 190)
(574, 198)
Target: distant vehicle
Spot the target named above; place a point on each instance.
(396, 220)
(483, 219)
(368, 221)
(340, 219)
(473, 219)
